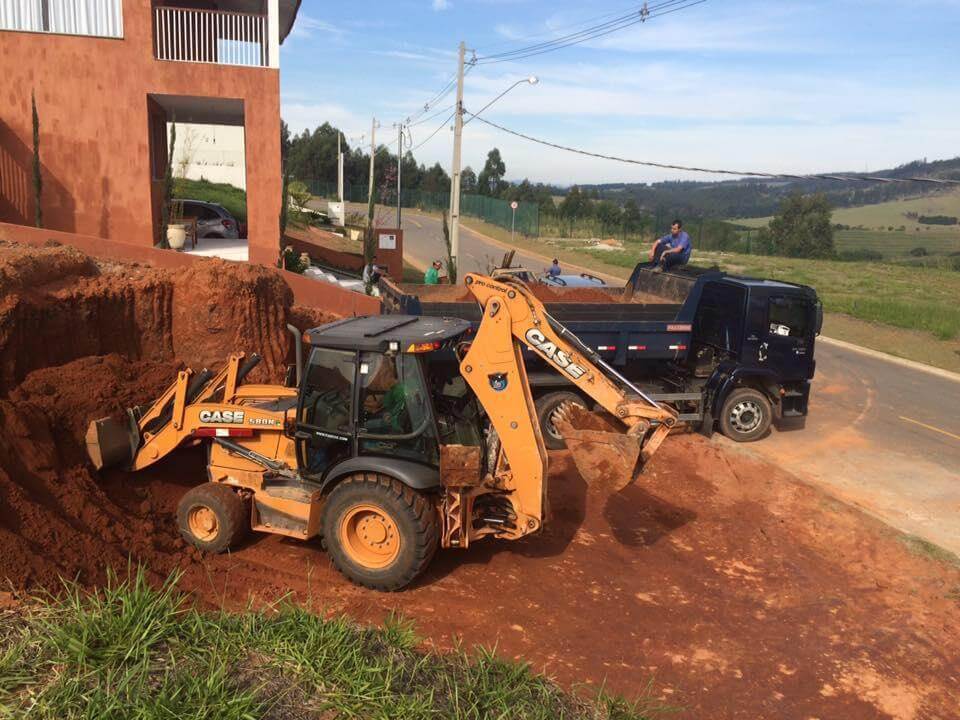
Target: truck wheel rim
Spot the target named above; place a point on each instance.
(551, 428)
(746, 416)
(369, 536)
(203, 523)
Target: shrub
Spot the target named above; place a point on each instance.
(919, 252)
(937, 220)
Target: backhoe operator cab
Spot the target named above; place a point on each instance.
(383, 394)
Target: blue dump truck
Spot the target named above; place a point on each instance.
(733, 354)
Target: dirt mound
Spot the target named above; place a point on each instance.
(81, 339)
(57, 520)
(59, 305)
(457, 293)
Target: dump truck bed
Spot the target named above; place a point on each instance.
(645, 328)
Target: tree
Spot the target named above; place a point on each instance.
(490, 182)
(801, 228)
(468, 181)
(37, 176)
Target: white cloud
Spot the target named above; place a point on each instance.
(439, 5)
(302, 116)
(306, 26)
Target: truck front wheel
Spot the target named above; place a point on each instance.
(546, 407)
(746, 415)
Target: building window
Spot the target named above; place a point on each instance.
(97, 18)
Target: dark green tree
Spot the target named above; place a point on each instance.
(490, 181)
(37, 176)
(468, 181)
(802, 228)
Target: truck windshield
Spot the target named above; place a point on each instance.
(395, 416)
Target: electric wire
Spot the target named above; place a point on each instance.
(430, 136)
(716, 171)
(438, 113)
(591, 33)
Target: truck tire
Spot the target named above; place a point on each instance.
(746, 415)
(546, 406)
(213, 517)
(379, 532)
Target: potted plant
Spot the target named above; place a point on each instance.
(176, 228)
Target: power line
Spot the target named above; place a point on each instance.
(551, 31)
(440, 112)
(592, 33)
(742, 173)
(430, 136)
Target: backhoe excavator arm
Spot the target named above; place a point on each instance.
(493, 366)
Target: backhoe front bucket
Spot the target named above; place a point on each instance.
(604, 453)
(112, 442)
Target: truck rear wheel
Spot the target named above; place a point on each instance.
(746, 415)
(212, 517)
(380, 533)
(546, 407)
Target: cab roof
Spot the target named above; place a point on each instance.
(375, 333)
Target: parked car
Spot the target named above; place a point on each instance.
(576, 281)
(213, 221)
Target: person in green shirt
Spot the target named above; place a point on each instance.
(432, 275)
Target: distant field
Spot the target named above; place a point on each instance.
(876, 221)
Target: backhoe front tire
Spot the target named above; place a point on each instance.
(212, 517)
(379, 533)
(546, 407)
(746, 415)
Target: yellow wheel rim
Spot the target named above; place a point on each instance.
(203, 523)
(369, 536)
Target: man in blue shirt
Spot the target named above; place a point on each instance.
(673, 249)
(554, 269)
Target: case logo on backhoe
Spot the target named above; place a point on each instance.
(558, 357)
(221, 416)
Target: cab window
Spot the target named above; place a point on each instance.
(328, 390)
(789, 317)
(395, 415)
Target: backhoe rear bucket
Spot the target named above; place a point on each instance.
(112, 442)
(603, 452)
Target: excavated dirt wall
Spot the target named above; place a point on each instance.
(81, 339)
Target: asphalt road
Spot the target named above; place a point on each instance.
(880, 435)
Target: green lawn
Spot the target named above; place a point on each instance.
(131, 651)
(232, 198)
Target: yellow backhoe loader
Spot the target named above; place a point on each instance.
(403, 434)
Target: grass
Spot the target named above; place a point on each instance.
(231, 197)
(128, 650)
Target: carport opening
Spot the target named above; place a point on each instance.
(209, 169)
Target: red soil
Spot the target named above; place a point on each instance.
(718, 580)
(459, 293)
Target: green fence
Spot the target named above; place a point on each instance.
(492, 210)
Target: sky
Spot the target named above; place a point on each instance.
(807, 86)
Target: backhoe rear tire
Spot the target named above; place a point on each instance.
(213, 517)
(379, 532)
(546, 406)
(746, 415)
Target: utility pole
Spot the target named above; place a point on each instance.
(455, 170)
(399, 167)
(368, 245)
(339, 168)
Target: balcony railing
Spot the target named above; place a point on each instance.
(210, 36)
(99, 18)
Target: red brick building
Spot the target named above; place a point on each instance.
(108, 75)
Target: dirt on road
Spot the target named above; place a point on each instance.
(718, 582)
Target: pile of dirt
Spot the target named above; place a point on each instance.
(544, 293)
(81, 339)
(59, 305)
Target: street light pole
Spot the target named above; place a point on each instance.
(399, 167)
(455, 170)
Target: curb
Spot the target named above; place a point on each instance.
(912, 364)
